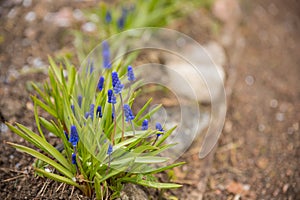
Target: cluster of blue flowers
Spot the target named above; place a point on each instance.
(117, 88)
(121, 21)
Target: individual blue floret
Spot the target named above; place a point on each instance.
(130, 73)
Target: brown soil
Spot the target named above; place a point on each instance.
(259, 151)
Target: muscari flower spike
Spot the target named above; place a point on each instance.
(110, 149)
(108, 17)
(92, 108)
(106, 55)
(99, 112)
(159, 128)
(100, 83)
(130, 73)
(111, 97)
(74, 136)
(86, 115)
(92, 67)
(145, 125)
(74, 158)
(117, 85)
(121, 20)
(79, 100)
(128, 113)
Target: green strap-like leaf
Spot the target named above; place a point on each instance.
(44, 158)
(47, 147)
(152, 184)
(57, 177)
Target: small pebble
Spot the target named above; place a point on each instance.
(12, 13)
(94, 18)
(37, 62)
(261, 127)
(50, 134)
(296, 126)
(290, 130)
(17, 165)
(285, 188)
(31, 16)
(89, 27)
(27, 3)
(47, 170)
(78, 15)
(249, 80)
(273, 103)
(3, 128)
(280, 117)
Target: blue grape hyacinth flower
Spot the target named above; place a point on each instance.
(128, 113)
(74, 158)
(110, 149)
(79, 99)
(108, 17)
(130, 73)
(145, 125)
(117, 85)
(100, 83)
(122, 19)
(159, 128)
(74, 136)
(99, 112)
(111, 97)
(92, 109)
(106, 55)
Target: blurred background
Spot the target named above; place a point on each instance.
(258, 153)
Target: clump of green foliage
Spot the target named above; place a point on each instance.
(104, 143)
(120, 16)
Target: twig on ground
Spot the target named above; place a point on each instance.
(11, 179)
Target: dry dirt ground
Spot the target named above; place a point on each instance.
(258, 156)
(259, 151)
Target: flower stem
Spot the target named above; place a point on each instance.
(132, 127)
(115, 125)
(155, 140)
(129, 90)
(109, 159)
(123, 120)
